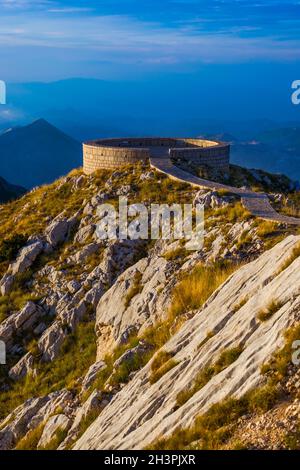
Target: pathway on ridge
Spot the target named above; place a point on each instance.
(256, 203)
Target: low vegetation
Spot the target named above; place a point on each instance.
(292, 439)
(31, 439)
(77, 354)
(196, 287)
(293, 256)
(17, 298)
(226, 358)
(55, 442)
(233, 213)
(178, 254)
(10, 247)
(266, 313)
(214, 428)
(240, 304)
(266, 229)
(276, 369)
(162, 363)
(135, 288)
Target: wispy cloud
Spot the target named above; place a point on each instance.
(151, 32)
(70, 10)
(25, 4)
(127, 39)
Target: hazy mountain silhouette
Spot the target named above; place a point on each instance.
(37, 153)
(9, 191)
(275, 150)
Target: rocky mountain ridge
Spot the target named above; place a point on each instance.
(123, 344)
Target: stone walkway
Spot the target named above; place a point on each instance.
(256, 203)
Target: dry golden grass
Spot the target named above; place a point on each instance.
(268, 312)
(294, 255)
(196, 287)
(266, 228)
(213, 429)
(226, 358)
(162, 363)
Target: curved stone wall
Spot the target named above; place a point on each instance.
(114, 153)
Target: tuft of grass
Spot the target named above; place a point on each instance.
(223, 192)
(294, 255)
(114, 377)
(121, 375)
(244, 240)
(59, 437)
(196, 287)
(233, 213)
(277, 367)
(178, 254)
(210, 430)
(85, 424)
(135, 288)
(31, 440)
(240, 304)
(266, 313)
(227, 357)
(156, 336)
(209, 335)
(265, 229)
(162, 363)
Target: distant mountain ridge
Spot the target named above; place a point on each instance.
(274, 150)
(9, 191)
(37, 154)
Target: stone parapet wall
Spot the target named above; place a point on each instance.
(114, 153)
(217, 156)
(96, 158)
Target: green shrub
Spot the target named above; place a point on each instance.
(262, 399)
(10, 247)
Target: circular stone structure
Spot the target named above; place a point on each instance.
(114, 153)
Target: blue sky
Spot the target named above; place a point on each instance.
(54, 39)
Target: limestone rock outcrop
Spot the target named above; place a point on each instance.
(142, 411)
